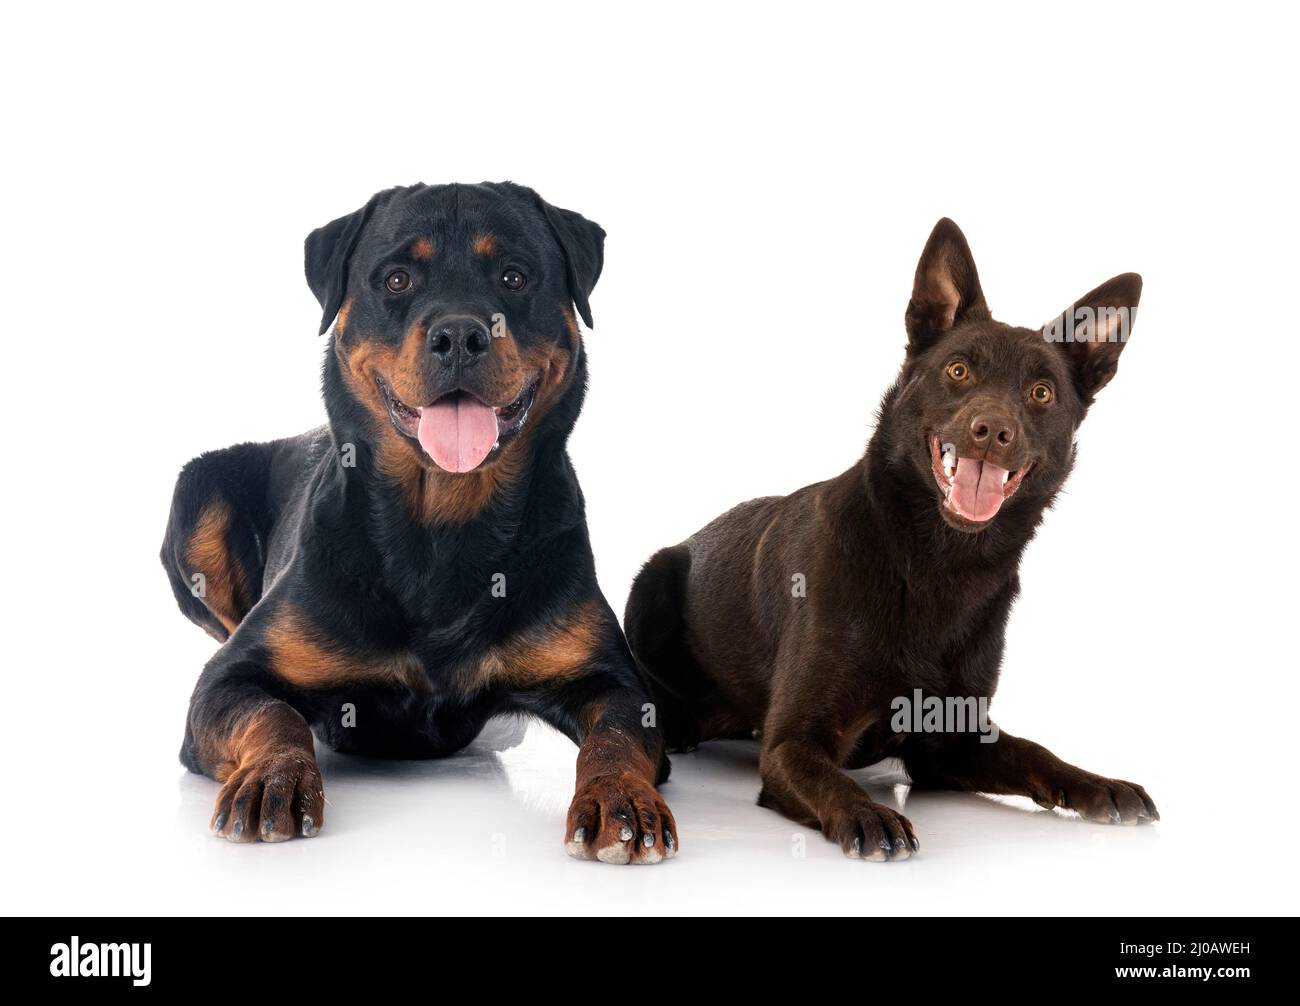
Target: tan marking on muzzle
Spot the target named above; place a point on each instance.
(431, 495)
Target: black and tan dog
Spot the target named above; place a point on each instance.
(804, 618)
(391, 580)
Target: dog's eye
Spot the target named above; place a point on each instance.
(957, 370)
(1041, 393)
(513, 279)
(397, 281)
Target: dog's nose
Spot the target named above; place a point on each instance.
(459, 339)
(990, 428)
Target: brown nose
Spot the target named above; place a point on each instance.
(989, 428)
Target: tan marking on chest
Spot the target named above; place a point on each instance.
(303, 655)
(543, 655)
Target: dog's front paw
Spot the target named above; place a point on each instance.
(271, 799)
(865, 829)
(1096, 798)
(620, 819)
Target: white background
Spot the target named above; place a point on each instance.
(767, 177)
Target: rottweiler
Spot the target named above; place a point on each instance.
(389, 581)
(812, 620)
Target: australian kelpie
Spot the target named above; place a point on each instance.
(391, 580)
(803, 619)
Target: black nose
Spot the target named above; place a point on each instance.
(459, 339)
(990, 428)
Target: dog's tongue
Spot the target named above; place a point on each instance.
(977, 489)
(458, 432)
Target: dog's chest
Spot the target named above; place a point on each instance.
(521, 657)
(950, 624)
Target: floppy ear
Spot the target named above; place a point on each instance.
(946, 290)
(583, 243)
(328, 252)
(1094, 330)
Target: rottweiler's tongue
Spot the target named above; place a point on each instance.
(458, 432)
(977, 489)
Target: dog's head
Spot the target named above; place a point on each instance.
(990, 410)
(452, 308)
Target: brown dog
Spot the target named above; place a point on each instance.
(807, 619)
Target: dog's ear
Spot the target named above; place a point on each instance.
(581, 240)
(328, 253)
(946, 291)
(1094, 330)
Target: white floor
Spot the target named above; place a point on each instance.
(480, 833)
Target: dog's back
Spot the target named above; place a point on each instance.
(707, 616)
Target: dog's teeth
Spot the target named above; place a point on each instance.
(949, 457)
(496, 443)
(1005, 476)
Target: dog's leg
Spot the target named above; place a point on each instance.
(617, 815)
(1015, 767)
(804, 746)
(261, 750)
(803, 781)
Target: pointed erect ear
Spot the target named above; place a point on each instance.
(1094, 330)
(946, 291)
(583, 243)
(329, 253)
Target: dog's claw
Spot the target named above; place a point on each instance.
(271, 799)
(619, 819)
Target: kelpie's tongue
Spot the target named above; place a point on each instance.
(458, 432)
(976, 488)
